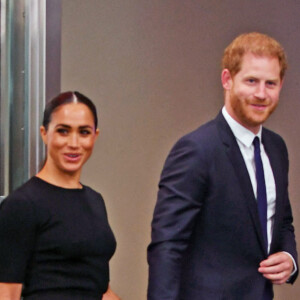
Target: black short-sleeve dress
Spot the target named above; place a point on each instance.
(55, 241)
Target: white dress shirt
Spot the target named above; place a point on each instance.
(245, 139)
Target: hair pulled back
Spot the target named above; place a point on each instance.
(66, 98)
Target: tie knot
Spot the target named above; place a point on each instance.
(256, 142)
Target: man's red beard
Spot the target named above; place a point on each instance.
(247, 115)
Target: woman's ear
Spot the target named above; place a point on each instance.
(43, 132)
(97, 133)
(226, 79)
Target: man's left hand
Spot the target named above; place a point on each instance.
(277, 267)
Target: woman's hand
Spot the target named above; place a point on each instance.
(12, 291)
(109, 295)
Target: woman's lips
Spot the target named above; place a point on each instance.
(72, 157)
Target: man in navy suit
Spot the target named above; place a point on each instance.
(222, 226)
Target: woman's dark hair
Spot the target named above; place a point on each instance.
(65, 98)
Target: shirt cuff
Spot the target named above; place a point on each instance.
(295, 265)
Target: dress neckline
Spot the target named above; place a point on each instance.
(57, 186)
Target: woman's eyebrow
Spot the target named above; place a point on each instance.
(63, 125)
(68, 126)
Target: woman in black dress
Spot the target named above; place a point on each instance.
(55, 240)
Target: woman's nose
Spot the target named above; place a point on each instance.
(73, 140)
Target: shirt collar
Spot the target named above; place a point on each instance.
(244, 135)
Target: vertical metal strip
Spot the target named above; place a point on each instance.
(24, 40)
(4, 103)
(35, 24)
(18, 122)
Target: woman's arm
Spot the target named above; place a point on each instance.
(10, 291)
(109, 295)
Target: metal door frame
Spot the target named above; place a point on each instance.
(30, 33)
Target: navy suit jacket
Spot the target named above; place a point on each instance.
(206, 237)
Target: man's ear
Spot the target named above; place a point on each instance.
(281, 83)
(226, 79)
(43, 133)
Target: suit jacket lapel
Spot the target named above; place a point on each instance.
(242, 175)
(273, 158)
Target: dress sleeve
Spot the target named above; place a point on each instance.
(17, 235)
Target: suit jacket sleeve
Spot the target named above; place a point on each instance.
(181, 192)
(283, 231)
(287, 241)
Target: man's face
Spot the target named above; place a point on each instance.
(253, 93)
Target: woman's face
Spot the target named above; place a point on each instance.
(70, 138)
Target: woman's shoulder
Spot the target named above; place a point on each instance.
(20, 201)
(25, 191)
(91, 192)
(29, 195)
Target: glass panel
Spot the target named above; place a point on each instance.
(18, 142)
(22, 90)
(4, 106)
